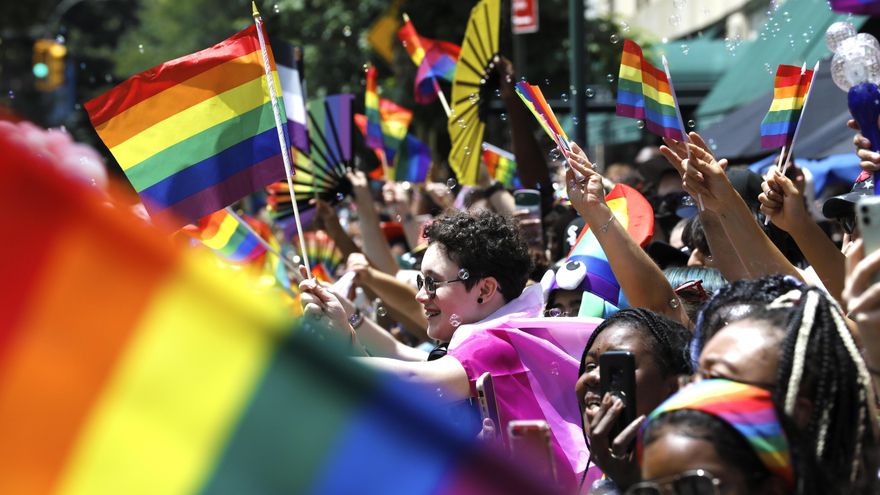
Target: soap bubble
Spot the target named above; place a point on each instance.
(11, 94)
(381, 311)
(564, 97)
(674, 20)
(451, 183)
(838, 32)
(679, 4)
(140, 48)
(575, 120)
(624, 27)
(346, 31)
(439, 392)
(555, 155)
(461, 123)
(614, 39)
(546, 82)
(464, 274)
(768, 68)
(473, 97)
(467, 151)
(503, 117)
(340, 196)
(498, 92)
(691, 124)
(609, 78)
(685, 48)
(60, 39)
(589, 92)
(276, 8)
(455, 320)
(640, 124)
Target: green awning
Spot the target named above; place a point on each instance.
(695, 63)
(748, 76)
(605, 128)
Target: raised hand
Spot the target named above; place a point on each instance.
(318, 302)
(704, 176)
(782, 200)
(585, 189)
(609, 453)
(870, 159)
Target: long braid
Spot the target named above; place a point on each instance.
(830, 447)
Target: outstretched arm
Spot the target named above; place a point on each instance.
(641, 279)
(376, 247)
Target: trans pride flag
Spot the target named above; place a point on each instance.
(435, 60)
(790, 89)
(645, 93)
(195, 134)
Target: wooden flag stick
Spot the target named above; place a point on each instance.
(437, 88)
(285, 150)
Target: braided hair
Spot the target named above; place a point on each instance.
(668, 345)
(836, 446)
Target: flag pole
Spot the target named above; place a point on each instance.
(260, 239)
(437, 88)
(797, 127)
(680, 121)
(285, 151)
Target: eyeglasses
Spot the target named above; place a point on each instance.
(430, 284)
(692, 291)
(556, 313)
(697, 482)
(848, 223)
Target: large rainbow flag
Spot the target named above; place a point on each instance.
(635, 214)
(227, 237)
(435, 60)
(195, 134)
(790, 89)
(502, 165)
(644, 92)
(128, 366)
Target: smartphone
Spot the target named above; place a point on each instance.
(488, 405)
(530, 445)
(617, 376)
(868, 216)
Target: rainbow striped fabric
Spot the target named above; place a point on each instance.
(413, 161)
(171, 376)
(227, 237)
(790, 88)
(536, 103)
(861, 7)
(371, 109)
(435, 60)
(195, 134)
(635, 214)
(395, 123)
(747, 409)
(644, 93)
(501, 165)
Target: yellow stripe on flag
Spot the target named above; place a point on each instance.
(192, 121)
(224, 233)
(175, 396)
(787, 104)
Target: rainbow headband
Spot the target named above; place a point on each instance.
(748, 409)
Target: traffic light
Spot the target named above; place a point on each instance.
(48, 67)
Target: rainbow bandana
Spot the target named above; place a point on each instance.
(748, 409)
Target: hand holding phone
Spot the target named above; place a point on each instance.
(617, 376)
(488, 405)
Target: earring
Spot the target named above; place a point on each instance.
(479, 300)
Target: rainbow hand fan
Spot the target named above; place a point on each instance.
(475, 79)
(320, 174)
(322, 252)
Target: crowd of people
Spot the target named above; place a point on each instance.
(755, 344)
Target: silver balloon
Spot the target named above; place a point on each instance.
(838, 32)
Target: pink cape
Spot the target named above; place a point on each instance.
(534, 364)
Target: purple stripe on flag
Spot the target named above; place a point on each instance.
(221, 195)
(774, 141)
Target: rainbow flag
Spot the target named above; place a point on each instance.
(534, 99)
(645, 93)
(790, 89)
(173, 377)
(393, 124)
(227, 237)
(634, 212)
(371, 109)
(861, 7)
(413, 161)
(195, 134)
(435, 60)
(501, 165)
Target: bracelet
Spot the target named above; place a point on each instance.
(356, 319)
(604, 228)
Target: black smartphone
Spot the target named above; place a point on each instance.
(488, 405)
(617, 376)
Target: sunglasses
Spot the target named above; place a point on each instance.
(697, 482)
(431, 285)
(692, 291)
(848, 223)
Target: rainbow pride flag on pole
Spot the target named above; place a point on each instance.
(635, 214)
(644, 93)
(227, 237)
(413, 161)
(373, 136)
(534, 100)
(195, 134)
(128, 366)
(790, 89)
(435, 60)
(502, 165)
